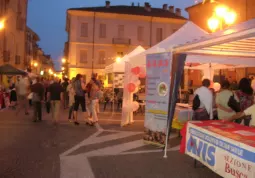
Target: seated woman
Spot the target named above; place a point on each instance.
(205, 97)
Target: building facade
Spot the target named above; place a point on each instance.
(31, 46)
(13, 36)
(98, 35)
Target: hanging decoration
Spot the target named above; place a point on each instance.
(136, 70)
(216, 87)
(131, 87)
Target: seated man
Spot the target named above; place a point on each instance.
(248, 112)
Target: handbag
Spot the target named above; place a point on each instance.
(233, 104)
(196, 103)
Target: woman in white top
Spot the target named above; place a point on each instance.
(205, 110)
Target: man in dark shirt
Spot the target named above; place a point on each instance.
(38, 96)
(55, 95)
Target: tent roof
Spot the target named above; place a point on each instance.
(119, 67)
(8, 69)
(235, 41)
(188, 32)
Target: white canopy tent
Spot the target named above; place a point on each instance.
(234, 45)
(187, 32)
(119, 67)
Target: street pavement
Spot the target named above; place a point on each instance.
(42, 150)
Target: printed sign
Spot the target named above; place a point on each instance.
(158, 68)
(227, 157)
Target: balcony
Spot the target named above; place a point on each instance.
(121, 41)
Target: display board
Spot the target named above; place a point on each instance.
(158, 68)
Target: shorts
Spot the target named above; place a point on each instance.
(79, 100)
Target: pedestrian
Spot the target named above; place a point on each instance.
(37, 99)
(55, 95)
(95, 95)
(22, 90)
(71, 92)
(65, 85)
(79, 88)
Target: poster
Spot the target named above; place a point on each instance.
(158, 68)
(226, 157)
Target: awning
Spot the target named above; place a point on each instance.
(8, 69)
(236, 41)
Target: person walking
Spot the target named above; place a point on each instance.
(22, 90)
(65, 85)
(38, 96)
(55, 95)
(79, 88)
(71, 92)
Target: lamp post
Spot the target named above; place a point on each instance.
(222, 16)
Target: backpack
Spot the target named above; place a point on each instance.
(196, 103)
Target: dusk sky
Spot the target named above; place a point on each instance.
(47, 18)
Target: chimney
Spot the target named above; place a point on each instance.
(132, 4)
(107, 4)
(171, 9)
(165, 6)
(147, 6)
(178, 11)
(138, 4)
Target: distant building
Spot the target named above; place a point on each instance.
(97, 35)
(31, 46)
(13, 36)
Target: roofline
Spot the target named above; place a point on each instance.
(181, 17)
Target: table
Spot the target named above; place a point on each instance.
(181, 116)
(226, 148)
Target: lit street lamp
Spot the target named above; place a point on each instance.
(222, 15)
(1, 24)
(118, 59)
(63, 60)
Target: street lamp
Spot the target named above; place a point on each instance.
(63, 68)
(2, 25)
(35, 64)
(222, 15)
(63, 60)
(118, 59)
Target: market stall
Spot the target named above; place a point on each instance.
(223, 142)
(136, 64)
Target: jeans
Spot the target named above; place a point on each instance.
(37, 110)
(55, 107)
(71, 111)
(22, 101)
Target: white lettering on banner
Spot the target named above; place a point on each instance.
(217, 142)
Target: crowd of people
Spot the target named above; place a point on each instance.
(27, 92)
(227, 104)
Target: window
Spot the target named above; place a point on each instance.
(20, 23)
(120, 54)
(84, 30)
(83, 56)
(121, 31)
(17, 59)
(140, 32)
(101, 57)
(102, 31)
(159, 34)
